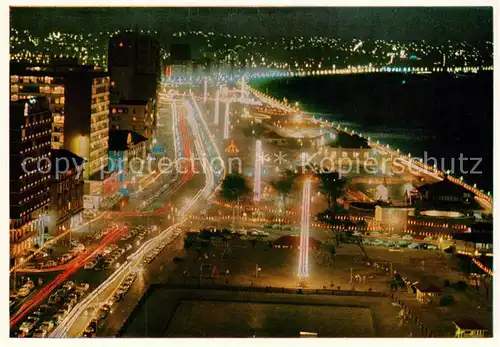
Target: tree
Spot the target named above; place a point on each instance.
(341, 228)
(460, 285)
(349, 237)
(486, 280)
(446, 300)
(284, 185)
(332, 251)
(234, 187)
(332, 187)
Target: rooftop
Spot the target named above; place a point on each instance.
(63, 160)
(120, 140)
(468, 324)
(474, 237)
(130, 103)
(444, 187)
(57, 68)
(427, 288)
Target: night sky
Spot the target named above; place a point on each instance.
(444, 23)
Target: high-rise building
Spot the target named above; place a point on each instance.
(127, 153)
(66, 176)
(134, 67)
(79, 100)
(29, 181)
(133, 115)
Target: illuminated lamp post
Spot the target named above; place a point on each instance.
(304, 233)
(226, 121)
(205, 90)
(258, 161)
(216, 113)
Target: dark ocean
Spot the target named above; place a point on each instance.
(439, 114)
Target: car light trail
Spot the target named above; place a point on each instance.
(76, 264)
(258, 162)
(174, 125)
(81, 260)
(217, 156)
(136, 258)
(304, 231)
(55, 239)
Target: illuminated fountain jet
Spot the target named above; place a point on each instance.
(304, 233)
(226, 121)
(258, 162)
(216, 113)
(242, 87)
(382, 192)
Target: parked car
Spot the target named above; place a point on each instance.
(90, 265)
(66, 257)
(57, 318)
(48, 325)
(117, 296)
(40, 333)
(27, 326)
(257, 232)
(41, 254)
(102, 313)
(92, 327)
(23, 292)
(72, 301)
(50, 263)
(78, 294)
(69, 285)
(63, 311)
(29, 284)
(13, 301)
(88, 334)
(61, 292)
(38, 313)
(53, 299)
(82, 287)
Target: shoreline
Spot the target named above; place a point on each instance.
(482, 198)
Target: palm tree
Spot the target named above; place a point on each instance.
(234, 187)
(332, 187)
(284, 185)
